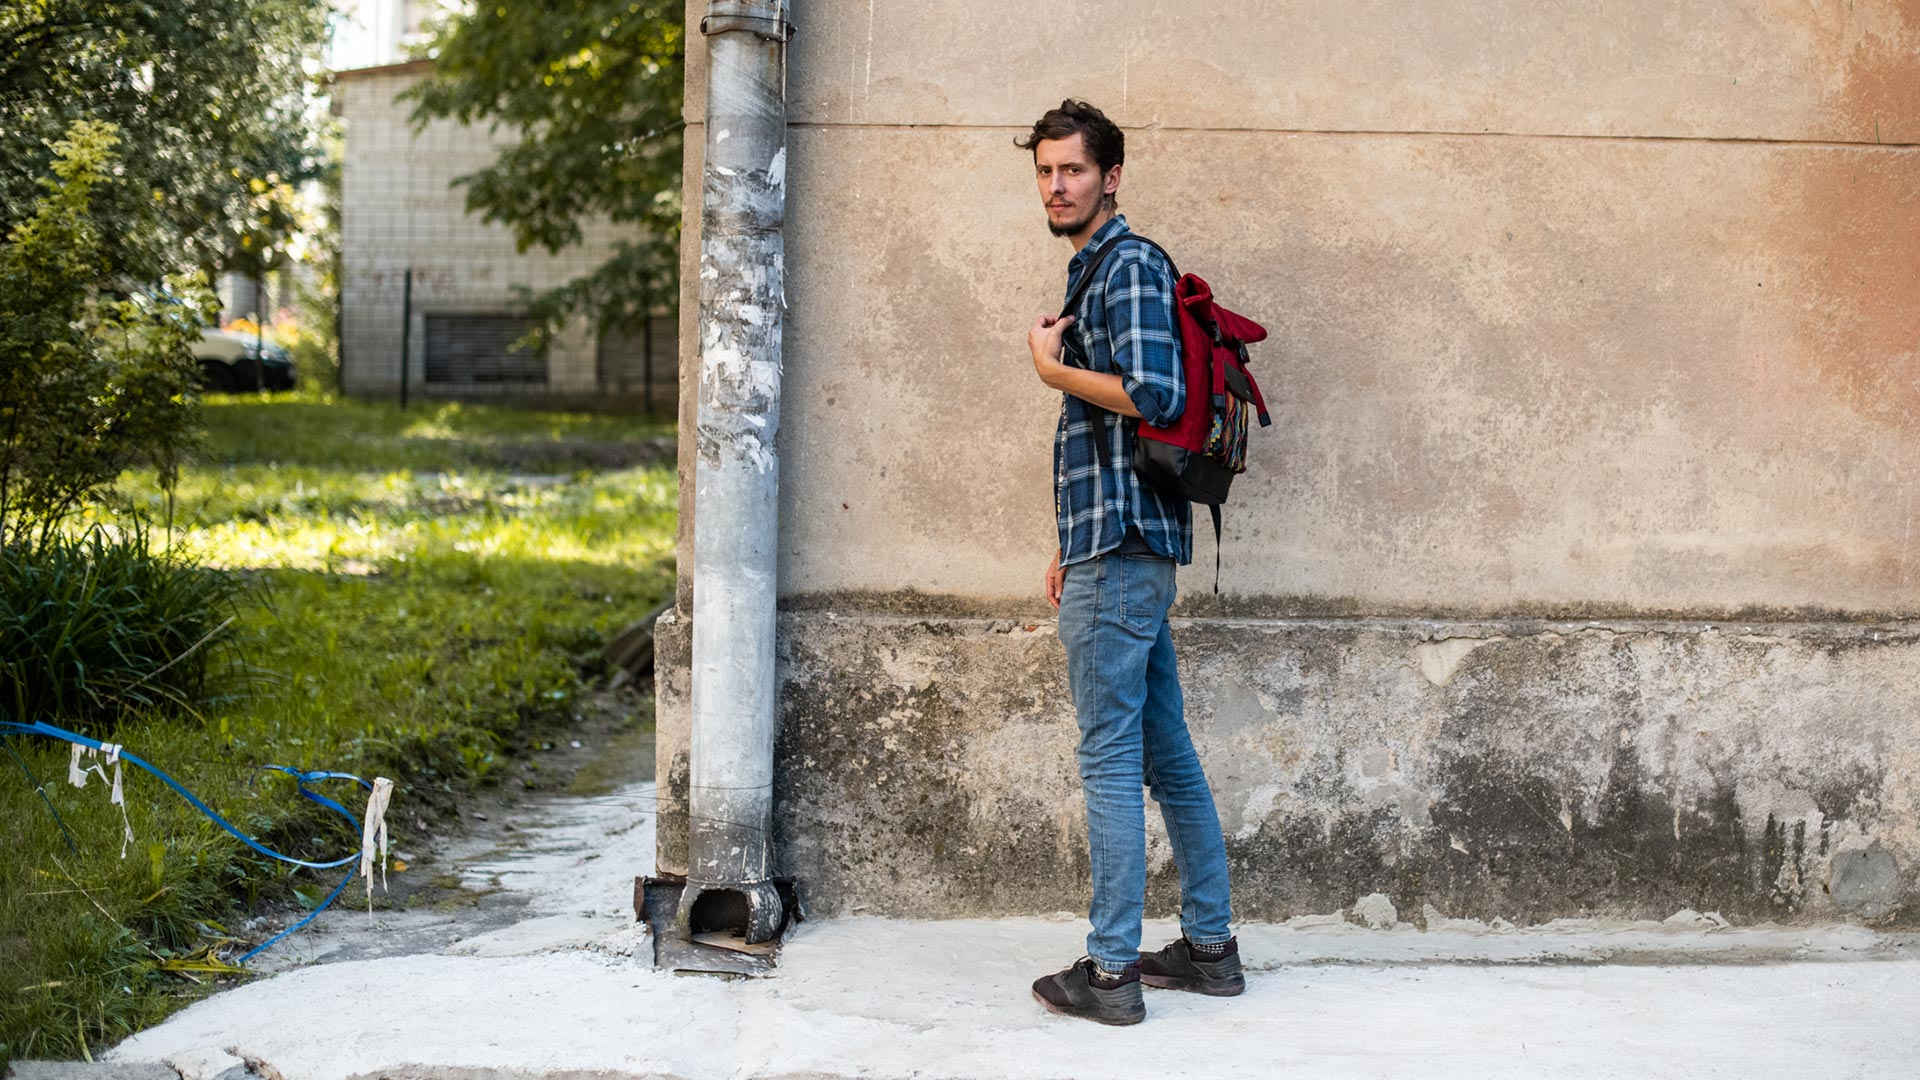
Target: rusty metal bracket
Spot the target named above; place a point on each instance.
(723, 18)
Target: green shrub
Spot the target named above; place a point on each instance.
(96, 375)
(96, 625)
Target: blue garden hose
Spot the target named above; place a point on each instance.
(301, 779)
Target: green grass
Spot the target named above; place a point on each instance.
(98, 624)
(430, 583)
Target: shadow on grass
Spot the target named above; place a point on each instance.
(301, 430)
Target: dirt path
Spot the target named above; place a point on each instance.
(552, 850)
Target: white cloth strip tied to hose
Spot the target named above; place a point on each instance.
(112, 750)
(77, 776)
(373, 827)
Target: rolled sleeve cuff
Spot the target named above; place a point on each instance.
(1157, 405)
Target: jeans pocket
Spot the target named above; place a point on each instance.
(1143, 592)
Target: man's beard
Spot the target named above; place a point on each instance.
(1074, 227)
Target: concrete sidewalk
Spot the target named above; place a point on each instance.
(548, 975)
(881, 998)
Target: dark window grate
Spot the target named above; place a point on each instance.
(482, 349)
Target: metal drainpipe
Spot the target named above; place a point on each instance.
(737, 476)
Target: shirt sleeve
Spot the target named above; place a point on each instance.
(1146, 350)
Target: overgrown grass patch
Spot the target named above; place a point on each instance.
(96, 624)
(427, 586)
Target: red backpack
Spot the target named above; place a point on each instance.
(1199, 455)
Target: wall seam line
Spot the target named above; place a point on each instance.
(1443, 627)
(1724, 140)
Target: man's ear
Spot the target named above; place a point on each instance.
(1110, 183)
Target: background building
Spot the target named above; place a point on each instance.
(464, 325)
(369, 33)
(1577, 575)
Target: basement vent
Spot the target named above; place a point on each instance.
(482, 349)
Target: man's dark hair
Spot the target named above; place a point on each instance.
(1101, 136)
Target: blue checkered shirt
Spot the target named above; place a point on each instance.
(1125, 327)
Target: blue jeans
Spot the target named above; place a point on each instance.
(1133, 731)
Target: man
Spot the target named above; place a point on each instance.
(1116, 361)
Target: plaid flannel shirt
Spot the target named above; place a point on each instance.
(1125, 326)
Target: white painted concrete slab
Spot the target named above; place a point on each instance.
(880, 998)
(569, 987)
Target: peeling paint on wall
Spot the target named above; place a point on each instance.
(926, 768)
(1438, 660)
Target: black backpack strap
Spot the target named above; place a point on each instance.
(1100, 257)
(1214, 509)
(1173, 268)
(1080, 291)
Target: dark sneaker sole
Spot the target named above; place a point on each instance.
(1211, 987)
(1116, 1021)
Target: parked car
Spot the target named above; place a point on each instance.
(231, 361)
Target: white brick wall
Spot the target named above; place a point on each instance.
(399, 209)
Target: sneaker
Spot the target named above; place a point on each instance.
(1074, 992)
(1177, 968)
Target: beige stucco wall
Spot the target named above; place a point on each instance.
(1718, 69)
(1573, 312)
(1595, 364)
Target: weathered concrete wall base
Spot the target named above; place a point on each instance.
(1516, 769)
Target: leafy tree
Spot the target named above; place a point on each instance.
(593, 87)
(90, 382)
(315, 341)
(173, 131)
(207, 97)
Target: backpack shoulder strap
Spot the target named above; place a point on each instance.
(1100, 258)
(1173, 268)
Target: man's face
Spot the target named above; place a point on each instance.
(1072, 187)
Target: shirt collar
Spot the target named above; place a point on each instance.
(1115, 225)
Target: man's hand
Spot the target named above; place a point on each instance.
(1056, 577)
(1102, 388)
(1044, 342)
